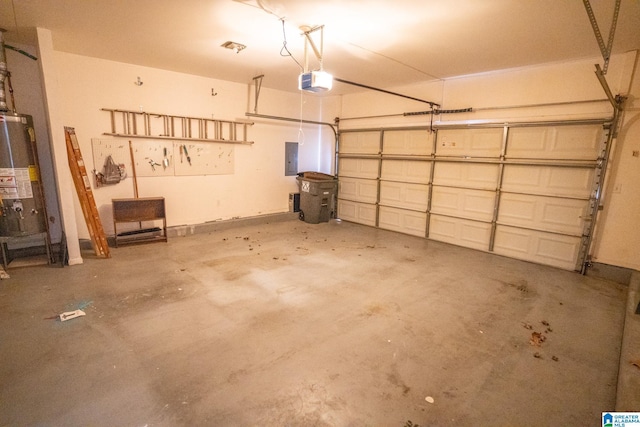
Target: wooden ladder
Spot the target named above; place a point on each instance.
(85, 195)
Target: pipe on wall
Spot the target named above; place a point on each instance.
(4, 73)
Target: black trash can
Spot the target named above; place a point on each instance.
(317, 196)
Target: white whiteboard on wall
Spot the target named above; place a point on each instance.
(166, 158)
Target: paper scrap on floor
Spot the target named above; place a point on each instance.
(68, 315)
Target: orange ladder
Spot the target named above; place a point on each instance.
(85, 195)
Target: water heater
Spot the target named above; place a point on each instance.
(22, 211)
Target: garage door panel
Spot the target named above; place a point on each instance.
(543, 202)
(406, 171)
(571, 181)
(359, 190)
(404, 195)
(403, 221)
(469, 142)
(567, 215)
(466, 175)
(543, 213)
(360, 142)
(548, 180)
(358, 168)
(407, 142)
(475, 204)
(357, 212)
(516, 210)
(555, 142)
(537, 246)
(467, 233)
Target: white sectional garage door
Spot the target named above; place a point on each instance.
(525, 191)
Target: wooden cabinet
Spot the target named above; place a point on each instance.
(149, 210)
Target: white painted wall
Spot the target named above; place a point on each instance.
(617, 239)
(52, 100)
(258, 185)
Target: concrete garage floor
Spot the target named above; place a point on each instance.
(292, 324)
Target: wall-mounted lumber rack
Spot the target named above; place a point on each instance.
(139, 124)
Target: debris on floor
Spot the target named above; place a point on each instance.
(636, 363)
(68, 315)
(429, 399)
(537, 338)
(4, 274)
(522, 286)
(545, 323)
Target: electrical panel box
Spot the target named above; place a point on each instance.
(291, 159)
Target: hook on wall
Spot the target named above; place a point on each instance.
(213, 92)
(138, 82)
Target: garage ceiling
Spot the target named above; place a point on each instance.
(378, 43)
